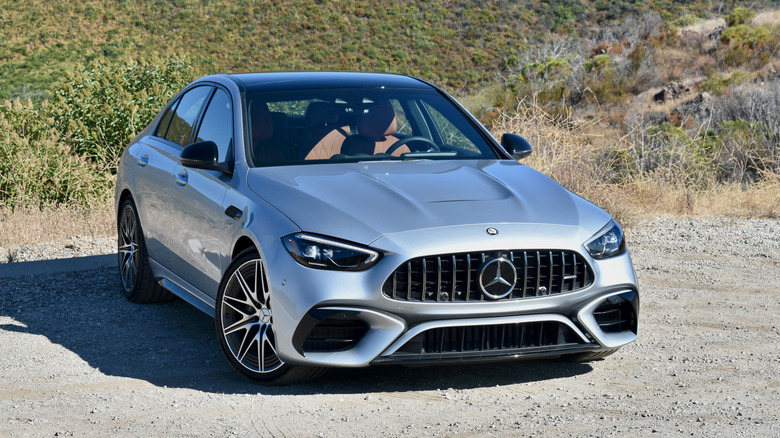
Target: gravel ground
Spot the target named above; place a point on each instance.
(77, 359)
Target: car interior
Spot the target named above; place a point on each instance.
(314, 130)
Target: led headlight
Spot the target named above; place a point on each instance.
(326, 253)
(608, 242)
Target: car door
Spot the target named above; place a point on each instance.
(157, 162)
(201, 234)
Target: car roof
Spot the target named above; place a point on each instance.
(313, 80)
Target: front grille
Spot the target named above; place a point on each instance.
(455, 277)
(490, 340)
(615, 315)
(335, 334)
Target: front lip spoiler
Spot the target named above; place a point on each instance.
(420, 328)
(549, 352)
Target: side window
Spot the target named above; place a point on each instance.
(185, 115)
(166, 120)
(217, 124)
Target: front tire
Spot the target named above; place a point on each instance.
(138, 283)
(245, 324)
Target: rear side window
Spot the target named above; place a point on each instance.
(166, 120)
(186, 113)
(217, 124)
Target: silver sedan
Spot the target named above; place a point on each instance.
(352, 219)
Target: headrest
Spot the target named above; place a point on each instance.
(260, 120)
(321, 113)
(377, 121)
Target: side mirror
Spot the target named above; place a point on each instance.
(202, 155)
(516, 145)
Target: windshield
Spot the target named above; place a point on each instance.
(349, 125)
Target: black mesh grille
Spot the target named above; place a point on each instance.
(335, 334)
(615, 315)
(491, 339)
(455, 277)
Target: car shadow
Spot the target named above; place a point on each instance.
(174, 345)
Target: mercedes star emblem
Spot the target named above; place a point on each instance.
(497, 278)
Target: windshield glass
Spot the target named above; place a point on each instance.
(315, 126)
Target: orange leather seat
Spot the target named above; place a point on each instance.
(323, 136)
(376, 127)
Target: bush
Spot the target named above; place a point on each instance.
(716, 84)
(102, 107)
(37, 167)
(748, 125)
(740, 16)
(747, 42)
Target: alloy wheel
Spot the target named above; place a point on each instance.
(129, 254)
(247, 319)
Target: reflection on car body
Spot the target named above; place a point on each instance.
(351, 219)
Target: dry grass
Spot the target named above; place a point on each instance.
(768, 17)
(27, 225)
(704, 27)
(573, 154)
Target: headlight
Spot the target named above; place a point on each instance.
(325, 253)
(608, 242)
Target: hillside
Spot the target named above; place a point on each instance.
(642, 107)
(459, 44)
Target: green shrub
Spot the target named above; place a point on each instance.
(37, 167)
(102, 107)
(740, 16)
(747, 42)
(685, 20)
(715, 84)
(746, 151)
(665, 153)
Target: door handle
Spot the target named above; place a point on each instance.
(182, 178)
(143, 160)
(234, 213)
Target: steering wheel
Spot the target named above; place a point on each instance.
(394, 147)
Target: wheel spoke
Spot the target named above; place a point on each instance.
(128, 268)
(246, 345)
(268, 343)
(244, 286)
(244, 322)
(237, 301)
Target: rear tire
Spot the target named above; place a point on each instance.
(138, 283)
(244, 323)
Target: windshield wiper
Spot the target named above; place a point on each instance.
(427, 155)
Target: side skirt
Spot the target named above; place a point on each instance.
(182, 289)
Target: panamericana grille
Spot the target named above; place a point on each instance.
(491, 340)
(455, 277)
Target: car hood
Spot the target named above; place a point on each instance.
(363, 201)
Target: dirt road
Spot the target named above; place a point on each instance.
(77, 359)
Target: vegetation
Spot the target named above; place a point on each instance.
(677, 96)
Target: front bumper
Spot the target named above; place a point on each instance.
(342, 319)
